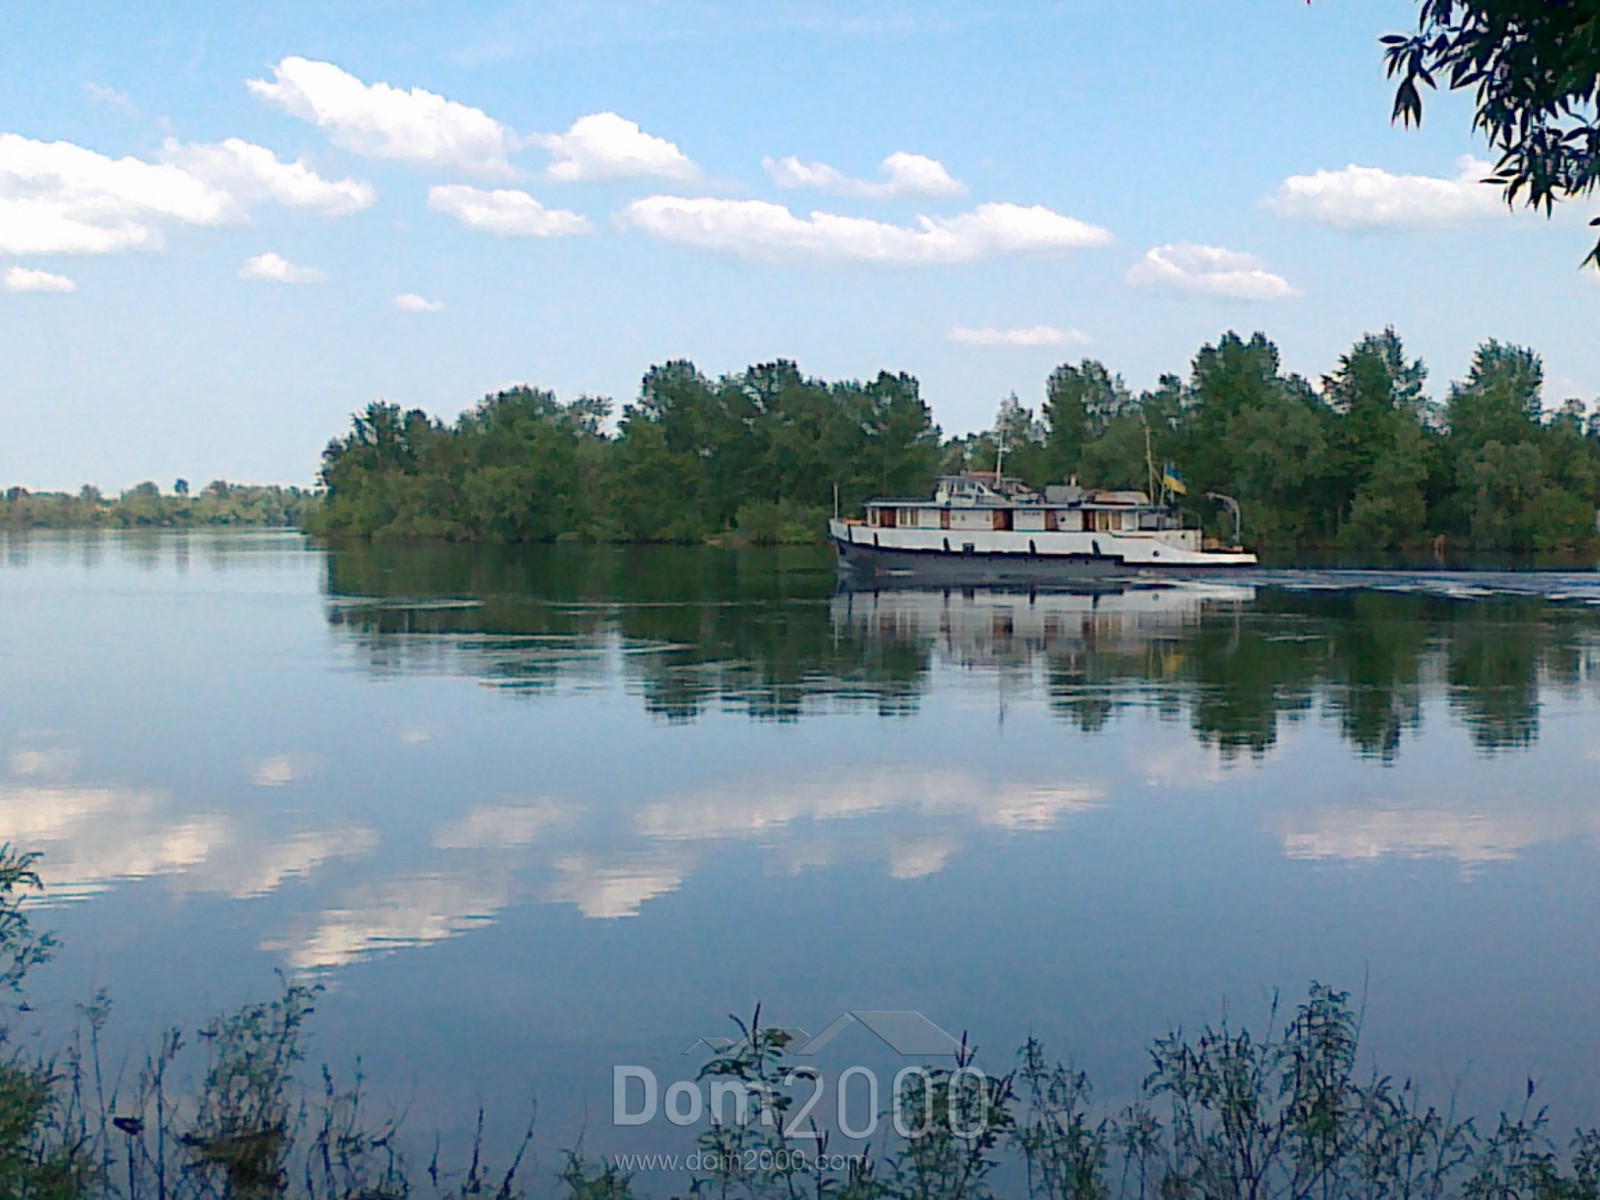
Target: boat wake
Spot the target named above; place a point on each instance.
(1572, 587)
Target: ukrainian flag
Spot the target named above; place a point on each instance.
(1172, 481)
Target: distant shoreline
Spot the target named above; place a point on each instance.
(218, 504)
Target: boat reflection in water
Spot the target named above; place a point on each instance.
(996, 627)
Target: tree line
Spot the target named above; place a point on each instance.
(146, 506)
(759, 451)
(1362, 459)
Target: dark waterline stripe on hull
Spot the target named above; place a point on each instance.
(980, 566)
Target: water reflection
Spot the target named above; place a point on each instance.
(652, 718)
(902, 824)
(96, 835)
(1472, 838)
(767, 635)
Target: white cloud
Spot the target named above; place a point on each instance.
(609, 891)
(253, 173)
(750, 809)
(413, 911)
(296, 858)
(504, 212)
(60, 198)
(502, 826)
(760, 230)
(91, 836)
(108, 95)
(920, 857)
(381, 121)
(1372, 198)
(48, 762)
(904, 174)
(25, 279)
(1033, 335)
(410, 302)
(1469, 837)
(274, 268)
(1208, 271)
(280, 769)
(1182, 764)
(608, 146)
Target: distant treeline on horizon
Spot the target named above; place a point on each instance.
(145, 506)
(1363, 461)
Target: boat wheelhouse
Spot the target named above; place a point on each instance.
(988, 527)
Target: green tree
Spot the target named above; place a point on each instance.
(1260, 436)
(1080, 401)
(899, 454)
(1501, 398)
(652, 492)
(1024, 438)
(1378, 479)
(142, 505)
(1520, 482)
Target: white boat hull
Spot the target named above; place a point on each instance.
(1020, 554)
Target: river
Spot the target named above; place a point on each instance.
(531, 814)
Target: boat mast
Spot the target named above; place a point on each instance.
(1150, 462)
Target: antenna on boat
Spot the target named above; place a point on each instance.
(1000, 451)
(835, 499)
(1150, 460)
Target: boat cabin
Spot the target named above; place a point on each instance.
(981, 500)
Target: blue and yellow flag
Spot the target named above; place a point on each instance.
(1172, 481)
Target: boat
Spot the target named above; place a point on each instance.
(986, 528)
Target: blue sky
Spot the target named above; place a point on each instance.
(223, 229)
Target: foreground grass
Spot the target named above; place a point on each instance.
(1225, 1114)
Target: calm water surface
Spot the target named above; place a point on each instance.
(529, 815)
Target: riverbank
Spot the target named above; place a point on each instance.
(1365, 462)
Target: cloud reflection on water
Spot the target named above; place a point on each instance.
(92, 837)
(1177, 692)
